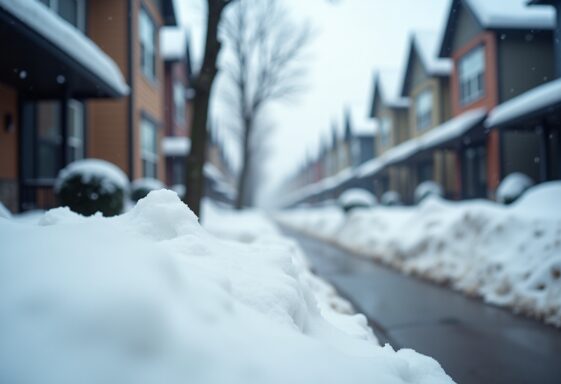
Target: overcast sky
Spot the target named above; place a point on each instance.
(352, 39)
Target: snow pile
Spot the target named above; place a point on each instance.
(151, 297)
(426, 189)
(391, 198)
(356, 198)
(512, 187)
(68, 39)
(148, 184)
(110, 175)
(509, 255)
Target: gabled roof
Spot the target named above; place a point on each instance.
(362, 125)
(387, 90)
(498, 14)
(425, 45)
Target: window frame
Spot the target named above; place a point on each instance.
(424, 116)
(74, 144)
(144, 15)
(179, 102)
(80, 12)
(149, 156)
(471, 86)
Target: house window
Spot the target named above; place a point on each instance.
(149, 138)
(385, 128)
(75, 140)
(423, 110)
(179, 102)
(471, 75)
(73, 11)
(147, 45)
(49, 139)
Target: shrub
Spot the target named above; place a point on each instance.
(512, 187)
(356, 198)
(391, 198)
(140, 188)
(426, 189)
(91, 185)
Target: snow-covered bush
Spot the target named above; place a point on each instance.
(92, 185)
(4, 212)
(356, 198)
(391, 198)
(426, 189)
(140, 188)
(512, 187)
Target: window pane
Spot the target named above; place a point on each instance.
(48, 139)
(75, 140)
(68, 10)
(148, 44)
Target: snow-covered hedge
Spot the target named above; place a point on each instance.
(426, 189)
(391, 198)
(509, 255)
(141, 187)
(92, 185)
(153, 298)
(512, 187)
(356, 198)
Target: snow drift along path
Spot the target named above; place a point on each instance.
(151, 297)
(509, 255)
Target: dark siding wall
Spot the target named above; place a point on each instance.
(526, 60)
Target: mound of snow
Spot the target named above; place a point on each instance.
(426, 189)
(357, 197)
(151, 297)
(512, 187)
(111, 175)
(508, 255)
(391, 198)
(149, 184)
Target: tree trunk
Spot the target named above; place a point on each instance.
(246, 158)
(194, 176)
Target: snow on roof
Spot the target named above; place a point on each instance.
(512, 14)
(176, 146)
(453, 128)
(427, 45)
(361, 124)
(68, 39)
(390, 86)
(533, 100)
(173, 43)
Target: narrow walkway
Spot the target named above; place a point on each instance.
(474, 342)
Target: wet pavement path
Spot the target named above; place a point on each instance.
(474, 342)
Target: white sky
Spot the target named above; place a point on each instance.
(352, 39)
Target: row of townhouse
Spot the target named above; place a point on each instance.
(475, 103)
(107, 79)
(82, 79)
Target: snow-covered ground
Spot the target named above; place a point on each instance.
(152, 297)
(508, 255)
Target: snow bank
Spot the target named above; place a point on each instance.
(508, 255)
(151, 297)
(68, 39)
(357, 197)
(111, 175)
(426, 189)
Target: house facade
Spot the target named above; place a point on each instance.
(96, 92)
(498, 54)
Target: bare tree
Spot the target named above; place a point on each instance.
(202, 85)
(263, 66)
